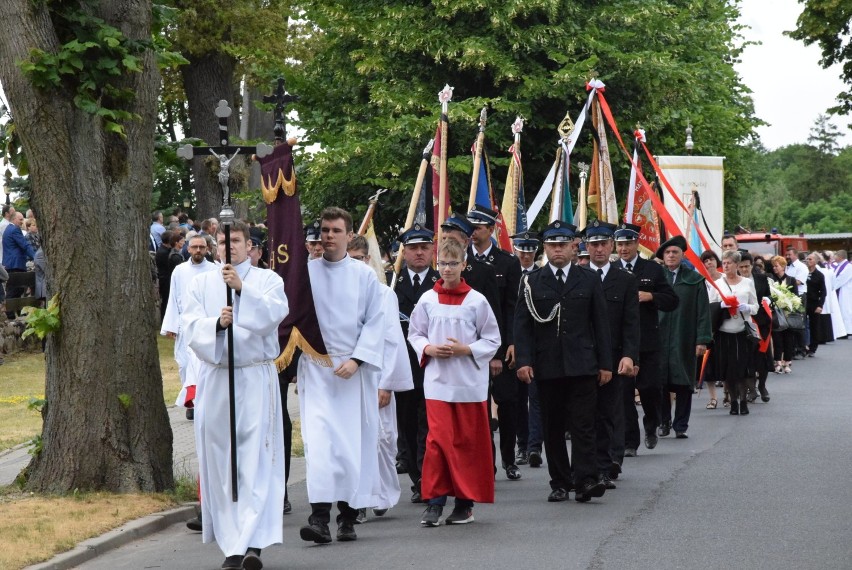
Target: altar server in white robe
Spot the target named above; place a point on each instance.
(396, 377)
(832, 319)
(182, 277)
(843, 287)
(339, 404)
(255, 521)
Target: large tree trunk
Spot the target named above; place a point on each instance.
(208, 79)
(105, 425)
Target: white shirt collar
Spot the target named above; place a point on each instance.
(484, 253)
(422, 274)
(565, 269)
(632, 262)
(605, 269)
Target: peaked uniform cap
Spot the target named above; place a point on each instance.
(482, 216)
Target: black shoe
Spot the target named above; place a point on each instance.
(362, 516)
(251, 561)
(719, 384)
(614, 470)
(315, 532)
(751, 396)
(460, 515)
(195, 524)
(651, 441)
(535, 459)
(735, 408)
(234, 562)
(522, 458)
(379, 512)
(288, 508)
(557, 495)
(416, 498)
(432, 515)
(665, 429)
(589, 490)
(743, 408)
(630, 452)
(681, 435)
(513, 473)
(401, 467)
(346, 531)
(764, 394)
(190, 414)
(604, 478)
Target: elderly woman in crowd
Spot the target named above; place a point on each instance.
(732, 345)
(783, 341)
(711, 370)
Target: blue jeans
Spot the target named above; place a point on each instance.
(460, 503)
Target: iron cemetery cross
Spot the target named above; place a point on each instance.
(226, 217)
(280, 98)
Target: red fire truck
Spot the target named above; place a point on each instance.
(768, 244)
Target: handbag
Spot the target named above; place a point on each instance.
(751, 329)
(779, 321)
(795, 321)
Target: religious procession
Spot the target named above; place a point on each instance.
(473, 348)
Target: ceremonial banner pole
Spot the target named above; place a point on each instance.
(412, 207)
(477, 160)
(514, 185)
(582, 213)
(371, 209)
(444, 97)
(226, 217)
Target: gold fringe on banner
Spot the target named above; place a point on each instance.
(298, 341)
(270, 193)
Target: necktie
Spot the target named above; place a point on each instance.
(672, 276)
(560, 276)
(600, 272)
(416, 281)
(630, 267)
(479, 257)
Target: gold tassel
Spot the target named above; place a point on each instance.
(298, 341)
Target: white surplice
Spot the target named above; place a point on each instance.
(843, 287)
(340, 418)
(186, 360)
(832, 306)
(396, 377)
(256, 519)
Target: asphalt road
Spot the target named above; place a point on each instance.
(767, 490)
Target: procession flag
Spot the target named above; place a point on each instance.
(440, 182)
(369, 232)
(420, 208)
(601, 183)
(514, 207)
(289, 258)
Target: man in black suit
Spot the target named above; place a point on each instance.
(562, 340)
(816, 296)
(504, 382)
(655, 294)
(621, 291)
(416, 277)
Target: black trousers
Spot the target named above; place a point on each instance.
(610, 405)
(284, 384)
(413, 428)
(504, 391)
(683, 406)
(576, 398)
(522, 418)
(650, 396)
(321, 512)
(815, 325)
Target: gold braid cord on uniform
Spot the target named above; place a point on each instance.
(298, 341)
(555, 313)
(270, 192)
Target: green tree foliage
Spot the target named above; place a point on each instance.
(827, 24)
(369, 96)
(797, 188)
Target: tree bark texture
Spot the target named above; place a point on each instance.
(105, 424)
(208, 79)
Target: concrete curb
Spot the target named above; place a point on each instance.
(133, 530)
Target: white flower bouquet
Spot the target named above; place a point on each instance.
(784, 298)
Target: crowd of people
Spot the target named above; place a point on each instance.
(556, 353)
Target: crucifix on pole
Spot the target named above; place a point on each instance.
(225, 153)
